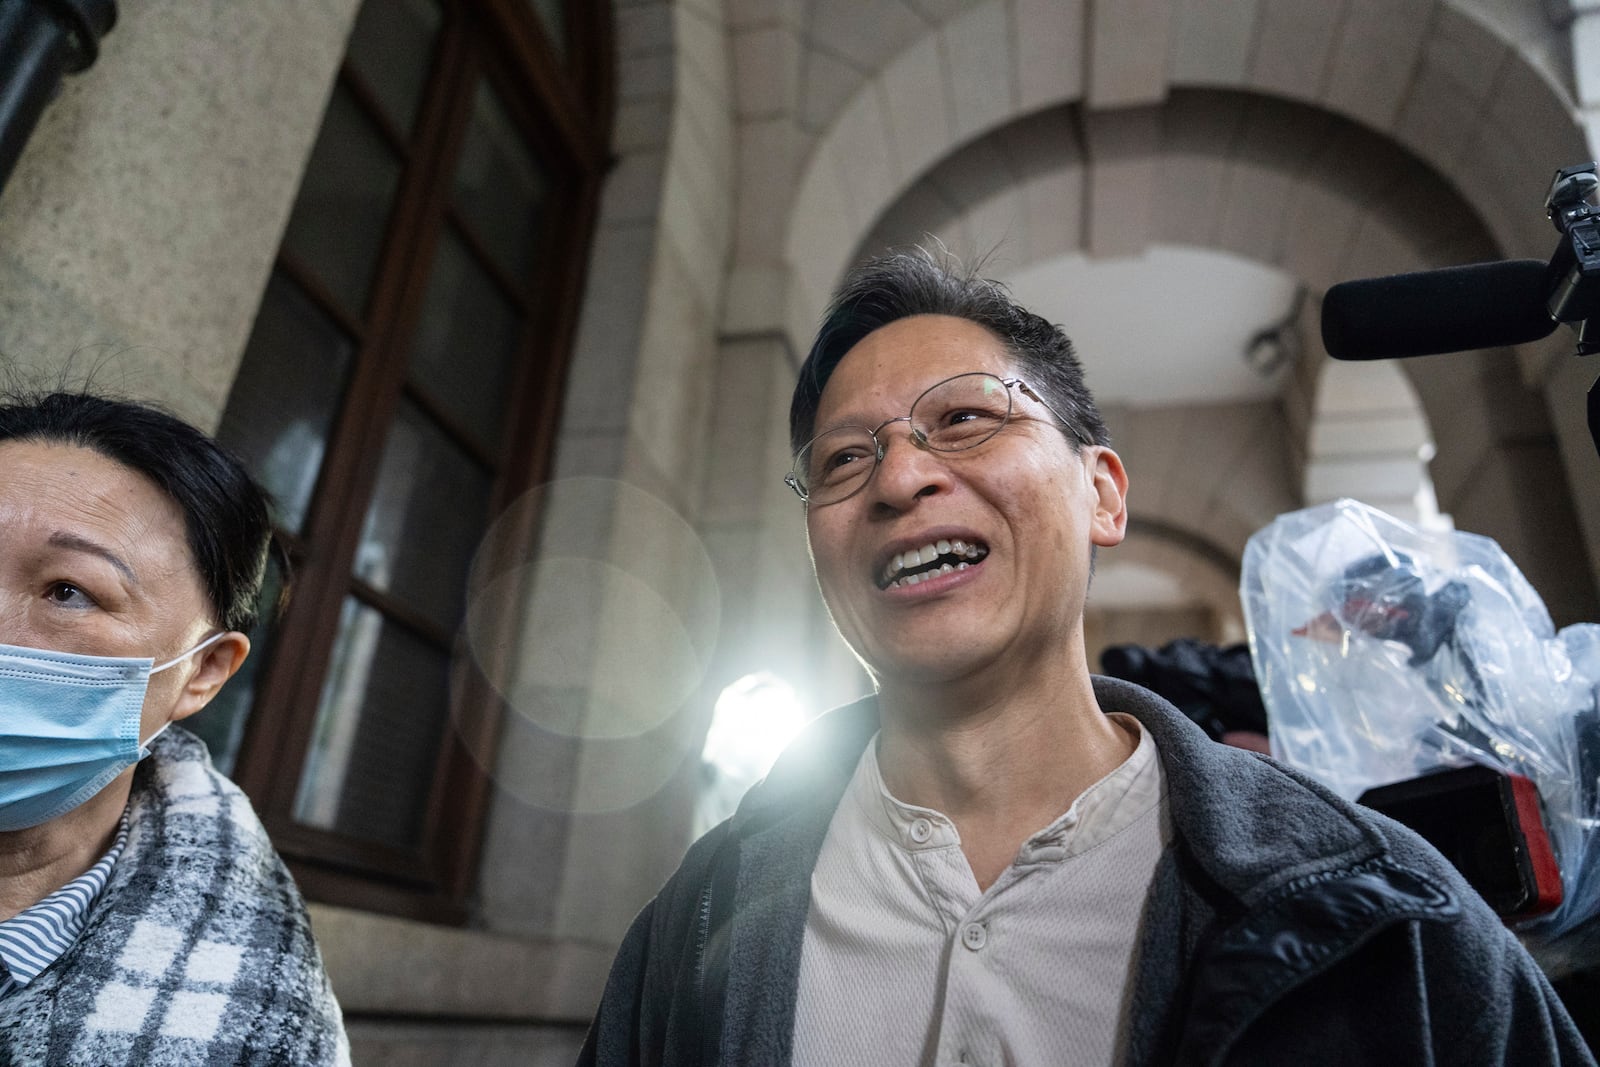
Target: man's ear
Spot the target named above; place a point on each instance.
(214, 665)
(1110, 482)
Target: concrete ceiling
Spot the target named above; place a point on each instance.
(1167, 327)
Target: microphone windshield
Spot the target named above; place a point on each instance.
(1483, 305)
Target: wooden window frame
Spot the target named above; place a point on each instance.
(500, 42)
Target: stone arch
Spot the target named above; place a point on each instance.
(1450, 81)
(1267, 179)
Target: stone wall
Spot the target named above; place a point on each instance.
(137, 231)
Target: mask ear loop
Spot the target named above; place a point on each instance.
(201, 647)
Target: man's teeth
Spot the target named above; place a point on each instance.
(922, 576)
(930, 553)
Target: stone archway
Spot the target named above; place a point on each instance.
(1449, 81)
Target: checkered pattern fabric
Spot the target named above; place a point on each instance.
(198, 951)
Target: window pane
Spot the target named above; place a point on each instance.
(370, 767)
(500, 186)
(338, 223)
(392, 46)
(466, 343)
(283, 402)
(221, 725)
(426, 516)
(553, 15)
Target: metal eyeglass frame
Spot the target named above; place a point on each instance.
(920, 439)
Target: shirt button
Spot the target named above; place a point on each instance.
(921, 830)
(974, 936)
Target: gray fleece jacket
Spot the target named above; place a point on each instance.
(1283, 925)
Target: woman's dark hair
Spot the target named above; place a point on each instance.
(916, 282)
(227, 516)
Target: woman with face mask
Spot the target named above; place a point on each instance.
(144, 916)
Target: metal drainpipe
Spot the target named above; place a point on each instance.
(41, 40)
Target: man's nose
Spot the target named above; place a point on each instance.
(908, 468)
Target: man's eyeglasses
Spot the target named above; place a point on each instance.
(954, 415)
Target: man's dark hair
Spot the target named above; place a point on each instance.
(916, 282)
(226, 515)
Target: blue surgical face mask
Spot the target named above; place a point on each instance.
(69, 724)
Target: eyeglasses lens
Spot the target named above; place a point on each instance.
(961, 412)
(954, 415)
(836, 464)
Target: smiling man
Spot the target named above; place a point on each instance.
(999, 858)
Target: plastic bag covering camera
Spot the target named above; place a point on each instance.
(1384, 652)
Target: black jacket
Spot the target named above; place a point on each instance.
(1283, 925)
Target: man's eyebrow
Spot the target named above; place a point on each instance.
(818, 429)
(72, 542)
(851, 418)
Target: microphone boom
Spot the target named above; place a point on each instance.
(1482, 305)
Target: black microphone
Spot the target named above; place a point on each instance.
(1482, 305)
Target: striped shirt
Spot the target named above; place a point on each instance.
(35, 938)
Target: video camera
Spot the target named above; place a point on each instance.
(1489, 819)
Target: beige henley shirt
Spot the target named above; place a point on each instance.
(906, 962)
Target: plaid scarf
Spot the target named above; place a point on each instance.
(199, 950)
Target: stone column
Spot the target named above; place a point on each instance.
(138, 229)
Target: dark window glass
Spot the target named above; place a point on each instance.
(466, 343)
(390, 47)
(500, 187)
(553, 15)
(426, 516)
(370, 767)
(339, 220)
(284, 400)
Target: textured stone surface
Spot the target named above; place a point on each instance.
(1294, 46)
(1375, 56)
(1049, 37)
(863, 150)
(864, 35)
(1127, 57)
(1211, 42)
(982, 65)
(468, 972)
(766, 61)
(1123, 176)
(138, 228)
(482, 1045)
(916, 101)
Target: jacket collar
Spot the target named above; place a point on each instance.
(1245, 830)
(1249, 834)
(813, 770)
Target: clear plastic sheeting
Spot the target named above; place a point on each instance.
(1385, 652)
